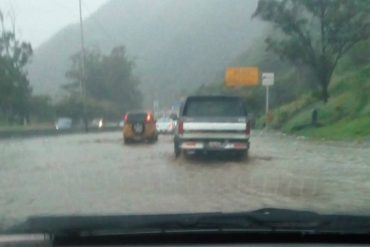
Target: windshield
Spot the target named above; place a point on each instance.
(135, 117)
(214, 107)
(169, 106)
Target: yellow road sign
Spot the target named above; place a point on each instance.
(242, 76)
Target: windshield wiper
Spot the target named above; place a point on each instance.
(263, 220)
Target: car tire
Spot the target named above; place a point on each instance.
(126, 141)
(154, 139)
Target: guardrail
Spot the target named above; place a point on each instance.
(50, 132)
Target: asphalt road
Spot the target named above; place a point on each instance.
(97, 174)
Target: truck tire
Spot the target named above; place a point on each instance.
(154, 139)
(177, 150)
(242, 155)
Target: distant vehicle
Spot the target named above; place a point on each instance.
(139, 126)
(121, 123)
(166, 125)
(63, 123)
(97, 123)
(213, 123)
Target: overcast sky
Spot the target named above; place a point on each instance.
(38, 20)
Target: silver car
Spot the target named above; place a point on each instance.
(63, 123)
(166, 125)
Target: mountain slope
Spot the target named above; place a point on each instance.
(177, 45)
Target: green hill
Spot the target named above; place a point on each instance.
(293, 99)
(346, 115)
(289, 83)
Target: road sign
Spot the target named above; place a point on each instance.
(241, 76)
(268, 79)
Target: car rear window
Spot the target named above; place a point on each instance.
(136, 117)
(214, 107)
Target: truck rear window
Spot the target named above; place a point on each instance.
(214, 107)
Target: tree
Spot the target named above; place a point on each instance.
(15, 90)
(111, 88)
(316, 33)
(360, 54)
(41, 108)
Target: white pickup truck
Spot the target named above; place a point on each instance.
(212, 123)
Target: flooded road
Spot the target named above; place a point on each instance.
(98, 174)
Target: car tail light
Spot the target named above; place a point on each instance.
(180, 127)
(149, 117)
(248, 127)
(125, 118)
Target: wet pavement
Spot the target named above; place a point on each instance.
(98, 174)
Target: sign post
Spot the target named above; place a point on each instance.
(267, 99)
(267, 81)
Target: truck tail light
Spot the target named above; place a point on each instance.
(180, 127)
(248, 127)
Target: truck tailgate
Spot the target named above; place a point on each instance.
(214, 127)
(231, 129)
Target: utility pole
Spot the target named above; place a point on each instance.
(83, 75)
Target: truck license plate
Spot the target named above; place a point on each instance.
(214, 144)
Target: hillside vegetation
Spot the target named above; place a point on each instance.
(346, 115)
(328, 42)
(289, 83)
